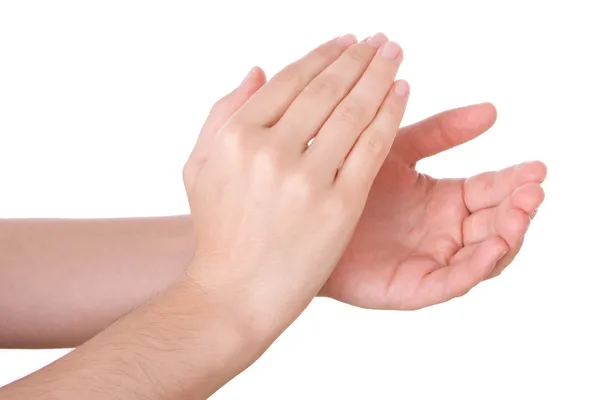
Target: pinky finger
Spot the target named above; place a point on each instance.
(362, 164)
(506, 260)
(469, 266)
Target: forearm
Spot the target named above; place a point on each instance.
(183, 344)
(62, 281)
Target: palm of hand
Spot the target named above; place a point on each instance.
(422, 241)
(411, 221)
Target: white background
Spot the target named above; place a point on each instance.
(100, 103)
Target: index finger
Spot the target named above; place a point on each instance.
(443, 131)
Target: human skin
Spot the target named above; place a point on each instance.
(62, 281)
(271, 218)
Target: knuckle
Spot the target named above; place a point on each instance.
(352, 112)
(324, 87)
(267, 162)
(488, 181)
(232, 143)
(376, 144)
(339, 208)
(323, 54)
(357, 55)
(299, 186)
(392, 107)
(235, 126)
(289, 77)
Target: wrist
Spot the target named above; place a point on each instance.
(244, 330)
(255, 307)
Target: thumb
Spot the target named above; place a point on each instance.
(222, 110)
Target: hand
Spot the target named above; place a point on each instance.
(421, 240)
(272, 215)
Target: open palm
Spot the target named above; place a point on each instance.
(422, 241)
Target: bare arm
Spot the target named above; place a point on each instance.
(62, 281)
(183, 344)
(266, 243)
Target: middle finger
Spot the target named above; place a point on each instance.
(314, 104)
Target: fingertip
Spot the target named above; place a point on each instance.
(253, 81)
(255, 78)
(532, 171)
(401, 88)
(542, 170)
(489, 253)
(248, 76)
(483, 114)
(488, 109)
(261, 76)
(377, 40)
(473, 120)
(528, 197)
(498, 246)
(515, 225)
(346, 40)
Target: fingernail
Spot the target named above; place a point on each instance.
(347, 40)
(377, 40)
(365, 39)
(533, 214)
(249, 75)
(391, 50)
(401, 88)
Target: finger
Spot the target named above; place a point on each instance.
(508, 223)
(269, 103)
(529, 206)
(506, 260)
(223, 110)
(364, 161)
(352, 116)
(509, 220)
(443, 131)
(490, 188)
(315, 103)
(528, 198)
(469, 266)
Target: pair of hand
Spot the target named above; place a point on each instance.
(279, 221)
